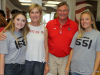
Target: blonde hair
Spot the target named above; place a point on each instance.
(32, 6)
(81, 29)
(11, 27)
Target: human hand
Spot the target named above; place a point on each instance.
(66, 71)
(46, 70)
(94, 73)
(2, 36)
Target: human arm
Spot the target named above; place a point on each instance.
(2, 36)
(46, 70)
(2, 63)
(97, 63)
(68, 62)
(97, 60)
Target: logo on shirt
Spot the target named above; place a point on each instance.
(85, 42)
(69, 29)
(20, 43)
(34, 31)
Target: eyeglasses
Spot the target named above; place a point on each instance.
(60, 29)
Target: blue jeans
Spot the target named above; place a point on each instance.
(14, 69)
(74, 73)
(34, 68)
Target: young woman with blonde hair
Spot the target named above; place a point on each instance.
(13, 48)
(84, 57)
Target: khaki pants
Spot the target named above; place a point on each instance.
(57, 65)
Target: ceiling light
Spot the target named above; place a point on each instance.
(25, 1)
(53, 2)
(50, 5)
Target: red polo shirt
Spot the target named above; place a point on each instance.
(59, 43)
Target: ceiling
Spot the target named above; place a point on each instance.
(25, 8)
(48, 9)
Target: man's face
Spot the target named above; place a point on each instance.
(63, 12)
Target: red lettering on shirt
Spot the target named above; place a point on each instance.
(37, 32)
(33, 31)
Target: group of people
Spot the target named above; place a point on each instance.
(59, 48)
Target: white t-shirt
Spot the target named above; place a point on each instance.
(35, 44)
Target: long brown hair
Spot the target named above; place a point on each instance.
(3, 22)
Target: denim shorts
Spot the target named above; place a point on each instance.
(14, 69)
(34, 68)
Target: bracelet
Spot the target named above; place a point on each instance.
(67, 71)
(46, 63)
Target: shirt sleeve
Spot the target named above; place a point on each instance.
(73, 40)
(98, 43)
(4, 46)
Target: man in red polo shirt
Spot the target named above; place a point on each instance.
(60, 33)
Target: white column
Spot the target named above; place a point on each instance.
(0, 4)
(37, 1)
(98, 11)
(3, 7)
(72, 5)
